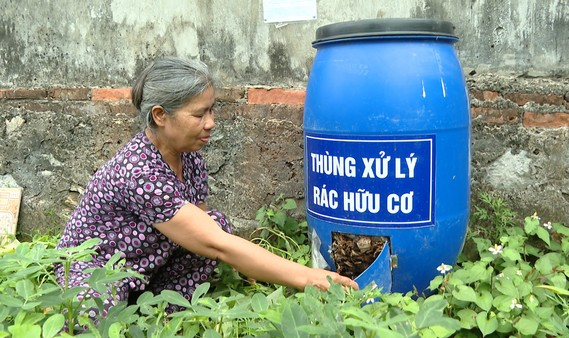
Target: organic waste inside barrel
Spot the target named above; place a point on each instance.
(353, 254)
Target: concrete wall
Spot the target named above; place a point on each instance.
(65, 69)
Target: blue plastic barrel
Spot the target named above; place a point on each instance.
(387, 146)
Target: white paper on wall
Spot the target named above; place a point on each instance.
(289, 10)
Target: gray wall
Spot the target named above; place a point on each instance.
(104, 42)
(50, 144)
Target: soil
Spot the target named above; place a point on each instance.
(353, 254)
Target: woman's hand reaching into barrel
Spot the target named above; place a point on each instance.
(319, 279)
(193, 229)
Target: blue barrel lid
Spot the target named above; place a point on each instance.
(384, 27)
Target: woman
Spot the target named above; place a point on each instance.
(148, 201)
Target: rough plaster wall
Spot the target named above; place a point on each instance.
(256, 154)
(526, 165)
(106, 42)
(53, 153)
(527, 37)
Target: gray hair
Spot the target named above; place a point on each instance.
(170, 82)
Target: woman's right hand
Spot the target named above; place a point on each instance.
(319, 279)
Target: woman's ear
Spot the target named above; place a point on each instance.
(158, 115)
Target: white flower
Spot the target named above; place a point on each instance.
(496, 249)
(443, 268)
(515, 304)
(370, 301)
(535, 217)
(548, 225)
(500, 275)
(519, 273)
(531, 299)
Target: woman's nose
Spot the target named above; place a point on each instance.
(209, 121)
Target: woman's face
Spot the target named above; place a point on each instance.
(189, 127)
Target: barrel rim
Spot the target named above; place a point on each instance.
(384, 27)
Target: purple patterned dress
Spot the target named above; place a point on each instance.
(133, 190)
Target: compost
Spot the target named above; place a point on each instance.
(353, 254)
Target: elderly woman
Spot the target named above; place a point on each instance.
(149, 201)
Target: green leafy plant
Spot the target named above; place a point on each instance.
(32, 300)
(491, 217)
(516, 287)
(281, 233)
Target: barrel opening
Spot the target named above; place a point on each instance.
(353, 254)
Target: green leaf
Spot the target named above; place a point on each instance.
(53, 325)
(560, 228)
(88, 244)
(484, 300)
(128, 315)
(511, 254)
(146, 297)
(175, 298)
(437, 331)
(527, 326)
(71, 293)
(289, 204)
(473, 272)
(317, 330)
(464, 293)
(293, 316)
(25, 288)
(38, 251)
(30, 305)
(356, 312)
(209, 333)
(565, 245)
(201, 290)
(436, 282)
(374, 327)
(273, 316)
(503, 302)
(410, 306)
(259, 302)
(558, 280)
(28, 272)
(549, 262)
(467, 318)
(543, 234)
(431, 314)
(505, 326)
(485, 324)
(136, 332)
(115, 330)
(557, 290)
(27, 331)
(6, 300)
(403, 326)
(530, 225)
(114, 277)
(354, 322)
(260, 214)
(279, 218)
(114, 259)
(506, 286)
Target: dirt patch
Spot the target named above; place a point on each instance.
(353, 254)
